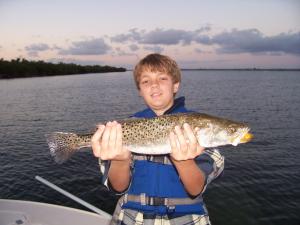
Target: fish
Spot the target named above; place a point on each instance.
(151, 136)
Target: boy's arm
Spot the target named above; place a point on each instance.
(183, 155)
(119, 175)
(107, 145)
(210, 164)
(191, 176)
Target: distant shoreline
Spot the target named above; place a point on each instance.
(239, 69)
(22, 68)
(247, 69)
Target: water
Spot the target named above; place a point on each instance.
(261, 183)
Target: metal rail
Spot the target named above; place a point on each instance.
(73, 197)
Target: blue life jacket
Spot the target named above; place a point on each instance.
(157, 184)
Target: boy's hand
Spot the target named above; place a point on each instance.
(107, 143)
(184, 144)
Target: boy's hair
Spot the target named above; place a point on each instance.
(157, 63)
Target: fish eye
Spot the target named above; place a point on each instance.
(231, 129)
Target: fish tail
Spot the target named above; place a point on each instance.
(62, 145)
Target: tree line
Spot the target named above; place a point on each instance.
(18, 68)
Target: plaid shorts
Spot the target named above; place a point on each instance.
(133, 217)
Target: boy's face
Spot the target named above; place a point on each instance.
(157, 90)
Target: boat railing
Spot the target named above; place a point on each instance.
(73, 197)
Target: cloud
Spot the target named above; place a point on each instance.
(253, 41)
(56, 47)
(157, 36)
(33, 54)
(203, 39)
(162, 36)
(132, 35)
(168, 37)
(199, 50)
(233, 42)
(95, 46)
(121, 52)
(37, 47)
(132, 47)
(34, 49)
(156, 49)
(205, 28)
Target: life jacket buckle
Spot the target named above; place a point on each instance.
(170, 209)
(156, 201)
(143, 199)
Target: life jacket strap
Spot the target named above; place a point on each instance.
(163, 159)
(159, 201)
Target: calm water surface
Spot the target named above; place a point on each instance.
(261, 183)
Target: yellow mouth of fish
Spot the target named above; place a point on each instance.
(246, 138)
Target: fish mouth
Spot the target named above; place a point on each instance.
(246, 138)
(243, 137)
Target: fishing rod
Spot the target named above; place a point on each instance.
(73, 197)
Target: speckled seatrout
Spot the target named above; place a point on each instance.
(150, 136)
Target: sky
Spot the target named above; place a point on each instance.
(196, 33)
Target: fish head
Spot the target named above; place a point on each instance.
(239, 133)
(214, 132)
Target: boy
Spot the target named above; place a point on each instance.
(163, 188)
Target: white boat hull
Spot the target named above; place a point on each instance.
(16, 212)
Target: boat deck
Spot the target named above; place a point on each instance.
(16, 212)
